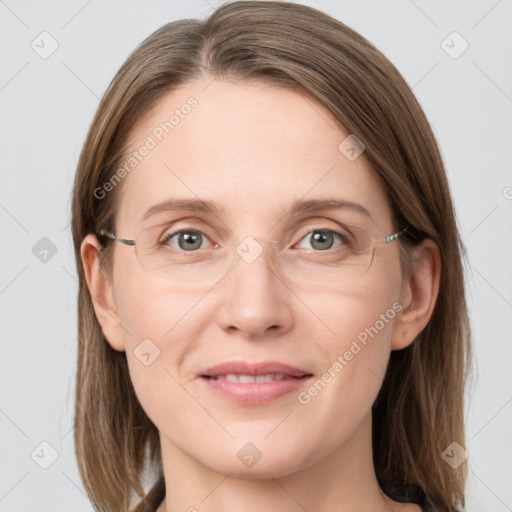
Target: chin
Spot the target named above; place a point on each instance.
(278, 465)
(257, 459)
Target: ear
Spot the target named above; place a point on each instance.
(100, 289)
(419, 295)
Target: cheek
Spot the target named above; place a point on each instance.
(148, 308)
(162, 328)
(356, 355)
(361, 324)
(158, 319)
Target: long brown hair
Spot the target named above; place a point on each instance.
(420, 408)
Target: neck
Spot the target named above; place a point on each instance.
(343, 481)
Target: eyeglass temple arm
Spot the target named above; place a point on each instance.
(114, 237)
(390, 238)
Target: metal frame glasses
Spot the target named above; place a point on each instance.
(190, 267)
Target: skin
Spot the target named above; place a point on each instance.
(254, 148)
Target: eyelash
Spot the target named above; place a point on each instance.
(344, 238)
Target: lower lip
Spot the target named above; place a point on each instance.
(255, 393)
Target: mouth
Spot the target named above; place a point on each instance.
(254, 384)
(246, 379)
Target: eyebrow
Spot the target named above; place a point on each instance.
(297, 207)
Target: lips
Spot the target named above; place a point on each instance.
(246, 379)
(254, 383)
(254, 370)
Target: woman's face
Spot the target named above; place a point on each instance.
(253, 150)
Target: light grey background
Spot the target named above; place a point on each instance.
(46, 108)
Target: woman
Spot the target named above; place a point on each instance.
(271, 303)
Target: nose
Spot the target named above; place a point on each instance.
(256, 302)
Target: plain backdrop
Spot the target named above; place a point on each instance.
(47, 105)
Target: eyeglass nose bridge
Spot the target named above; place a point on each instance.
(250, 248)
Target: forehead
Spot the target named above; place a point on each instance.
(254, 148)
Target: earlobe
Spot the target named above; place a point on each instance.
(101, 292)
(419, 295)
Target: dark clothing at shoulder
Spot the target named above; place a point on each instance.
(413, 494)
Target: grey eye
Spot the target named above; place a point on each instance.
(187, 240)
(322, 240)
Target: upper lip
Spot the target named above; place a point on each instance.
(245, 368)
